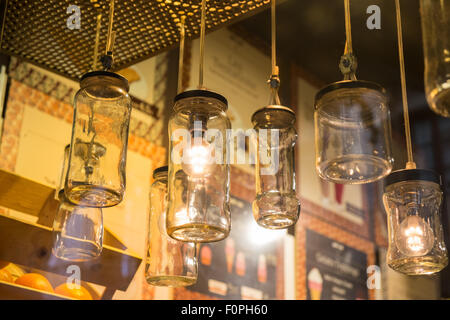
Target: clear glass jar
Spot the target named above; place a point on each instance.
(169, 262)
(352, 132)
(276, 205)
(412, 199)
(63, 173)
(435, 16)
(96, 174)
(199, 175)
(77, 232)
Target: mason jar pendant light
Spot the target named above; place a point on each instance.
(199, 176)
(412, 199)
(102, 108)
(352, 125)
(77, 230)
(170, 262)
(435, 16)
(276, 205)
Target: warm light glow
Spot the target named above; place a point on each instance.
(414, 237)
(260, 236)
(196, 160)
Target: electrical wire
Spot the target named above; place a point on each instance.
(410, 164)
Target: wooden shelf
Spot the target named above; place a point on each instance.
(30, 245)
(12, 291)
(31, 197)
(24, 195)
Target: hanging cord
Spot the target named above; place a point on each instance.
(108, 59)
(3, 23)
(97, 39)
(181, 55)
(410, 164)
(348, 63)
(202, 45)
(274, 81)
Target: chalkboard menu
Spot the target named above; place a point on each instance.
(243, 266)
(334, 271)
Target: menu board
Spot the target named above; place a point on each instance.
(334, 271)
(243, 266)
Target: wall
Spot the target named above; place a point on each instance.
(38, 126)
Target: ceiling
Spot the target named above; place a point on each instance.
(38, 31)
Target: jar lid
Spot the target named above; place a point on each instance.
(412, 174)
(106, 74)
(273, 107)
(201, 93)
(160, 170)
(348, 84)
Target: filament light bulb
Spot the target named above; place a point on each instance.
(414, 237)
(197, 160)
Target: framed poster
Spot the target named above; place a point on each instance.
(334, 271)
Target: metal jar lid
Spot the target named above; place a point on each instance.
(412, 175)
(201, 93)
(160, 170)
(348, 84)
(123, 81)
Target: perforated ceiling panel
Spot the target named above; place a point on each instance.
(37, 31)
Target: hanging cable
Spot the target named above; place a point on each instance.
(348, 28)
(275, 70)
(3, 23)
(97, 39)
(274, 81)
(181, 55)
(410, 164)
(111, 34)
(107, 59)
(202, 44)
(348, 63)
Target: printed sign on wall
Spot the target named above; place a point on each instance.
(334, 271)
(243, 266)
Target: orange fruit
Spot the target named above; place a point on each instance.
(36, 281)
(6, 276)
(76, 292)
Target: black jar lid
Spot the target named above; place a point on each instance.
(411, 175)
(349, 84)
(160, 170)
(201, 93)
(273, 108)
(101, 73)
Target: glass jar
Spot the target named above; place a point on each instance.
(96, 174)
(412, 199)
(352, 132)
(77, 232)
(169, 262)
(62, 174)
(435, 16)
(199, 175)
(276, 205)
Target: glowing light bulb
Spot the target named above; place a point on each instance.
(414, 237)
(197, 160)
